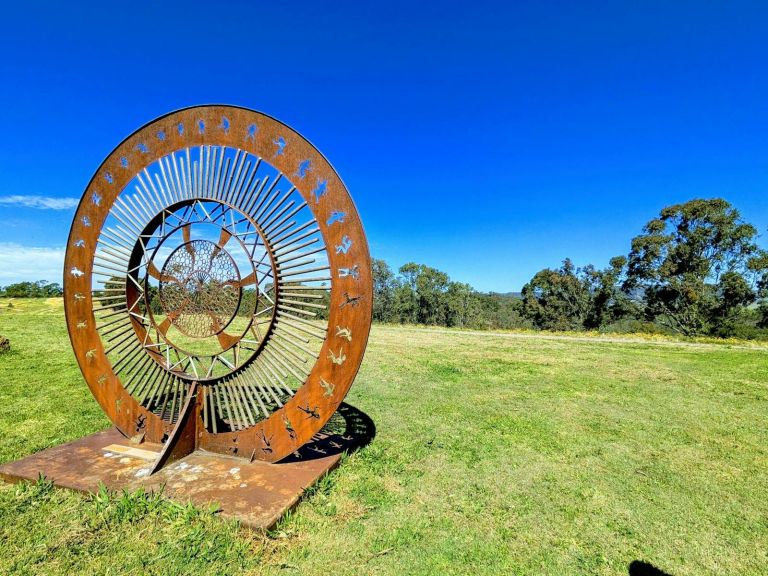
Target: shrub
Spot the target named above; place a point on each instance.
(633, 326)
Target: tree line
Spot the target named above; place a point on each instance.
(696, 269)
(39, 289)
(420, 294)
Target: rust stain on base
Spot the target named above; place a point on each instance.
(256, 493)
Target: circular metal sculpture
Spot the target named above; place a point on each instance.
(218, 285)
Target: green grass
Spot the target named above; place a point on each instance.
(494, 454)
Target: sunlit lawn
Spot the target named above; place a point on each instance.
(493, 455)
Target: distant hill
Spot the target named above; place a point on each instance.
(515, 295)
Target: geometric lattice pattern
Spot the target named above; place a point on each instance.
(199, 288)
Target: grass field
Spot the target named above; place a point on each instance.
(494, 454)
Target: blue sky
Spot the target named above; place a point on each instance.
(486, 139)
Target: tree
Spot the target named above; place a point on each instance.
(384, 286)
(557, 299)
(502, 311)
(39, 289)
(432, 288)
(758, 265)
(686, 262)
(462, 306)
(607, 301)
(420, 296)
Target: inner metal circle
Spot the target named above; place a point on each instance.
(199, 288)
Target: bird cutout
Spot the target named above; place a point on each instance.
(201, 126)
(224, 124)
(118, 404)
(91, 354)
(161, 135)
(82, 324)
(180, 128)
(96, 198)
(141, 147)
(310, 412)
(76, 272)
(141, 422)
(345, 245)
(267, 442)
(335, 445)
(304, 167)
(338, 360)
(101, 380)
(353, 301)
(289, 428)
(318, 450)
(353, 272)
(124, 162)
(252, 129)
(108, 177)
(80, 244)
(336, 217)
(345, 333)
(280, 143)
(79, 296)
(85, 220)
(320, 190)
(328, 387)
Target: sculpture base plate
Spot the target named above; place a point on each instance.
(256, 493)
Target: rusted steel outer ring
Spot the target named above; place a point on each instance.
(269, 439)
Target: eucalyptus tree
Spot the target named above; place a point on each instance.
(694, 265)
(557, 299)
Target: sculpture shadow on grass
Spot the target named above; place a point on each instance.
(348, 430)
(640, 568)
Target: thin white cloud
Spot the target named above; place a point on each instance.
(26, 263)
(44, 202)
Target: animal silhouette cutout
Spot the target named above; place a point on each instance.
(304, 167)
(353, 301)
(353, 272)
(336, 217)
(289, 428)
(320, 190)
(345, 245)
(345, 333)
(328, 387)
(280, 143)
(338, 360)
(310, 412)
